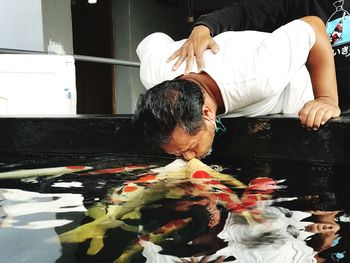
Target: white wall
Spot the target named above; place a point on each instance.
(57, 23)
(134, 20)
(21, 24)
(30, 24)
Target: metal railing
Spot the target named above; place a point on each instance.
(112, 61)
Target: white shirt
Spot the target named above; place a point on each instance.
(257, 73)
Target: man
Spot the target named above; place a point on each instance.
(254, 74)
(267, 15)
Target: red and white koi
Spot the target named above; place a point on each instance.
(174, 181)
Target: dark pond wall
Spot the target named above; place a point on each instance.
(246, 138)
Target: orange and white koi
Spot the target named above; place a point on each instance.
(191, 178)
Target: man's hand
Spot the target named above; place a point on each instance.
(317, 112)
(195, 45)
(321, 67)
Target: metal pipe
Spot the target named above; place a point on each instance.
(107, 61)
(112, 61)
(19, 51)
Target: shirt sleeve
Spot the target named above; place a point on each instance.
(260, 15)
(286, 51)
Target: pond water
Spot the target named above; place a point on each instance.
(106, 208)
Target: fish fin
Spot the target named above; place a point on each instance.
(96, 245)
(97, 211)
(82, 233)
(129, 228)
(92, 230)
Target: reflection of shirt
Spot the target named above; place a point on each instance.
(246, 242)
(257, 73)
(271, 241)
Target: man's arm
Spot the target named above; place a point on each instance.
(320, 64)
(259, 15)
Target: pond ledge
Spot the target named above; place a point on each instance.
(268, 137)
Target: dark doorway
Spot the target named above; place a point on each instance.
(93, 36)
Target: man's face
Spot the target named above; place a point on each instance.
(191, 146)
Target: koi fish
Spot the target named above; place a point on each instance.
(336, 35)
(131, 198)
(173, 181)
(209, 183)
(43, 172)
(118, 169)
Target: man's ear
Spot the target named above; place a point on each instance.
(208, 112)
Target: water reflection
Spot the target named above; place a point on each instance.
(28, 221)
(283, 237)
(125, 210)
(18, 203)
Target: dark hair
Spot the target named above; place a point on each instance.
(167, 105)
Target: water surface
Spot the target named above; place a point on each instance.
(39, 209)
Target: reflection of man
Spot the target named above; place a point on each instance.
(326, 232)
(278, 239)
(259, 74)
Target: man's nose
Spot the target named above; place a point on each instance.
(188, 155)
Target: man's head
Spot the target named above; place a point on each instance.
(174, 115)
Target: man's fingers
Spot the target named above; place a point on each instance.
(322, 116)
(200, 63)
(189, 62)
(303, 114)
(178, 63)
(213, 46)
(181, 58)
(200, 51)
(314, 117)
(327, 116)
(174, 55)
(316, 113)
(307, 115)
(318, 117)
